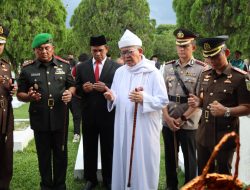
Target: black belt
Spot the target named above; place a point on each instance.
(178, 99)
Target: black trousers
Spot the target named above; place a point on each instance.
(223, 159)
(185, 138)
(52, 158)
(75, 108)
(90, 147)
(6, 160)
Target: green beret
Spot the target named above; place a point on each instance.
(40, 39)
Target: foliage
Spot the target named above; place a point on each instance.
(164, 43)
(217, 17)
(70, 45)
(27, 18)
(111, 18)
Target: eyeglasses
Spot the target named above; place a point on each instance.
(127, 52)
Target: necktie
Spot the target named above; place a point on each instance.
(97, 71)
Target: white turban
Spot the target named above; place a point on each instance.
(129, 39)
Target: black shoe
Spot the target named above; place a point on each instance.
(89, 185)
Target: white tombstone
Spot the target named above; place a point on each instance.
(244, 165)
(22, 138)
(79, 167)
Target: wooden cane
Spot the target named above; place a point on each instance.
(133, 140)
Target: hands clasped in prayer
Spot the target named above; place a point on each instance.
(216, 108)
(98, 86)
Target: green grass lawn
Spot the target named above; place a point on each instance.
(26, 174)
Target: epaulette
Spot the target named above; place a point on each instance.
(5, 61)
(239, 70)
(27, 62)
(207, 69)
(200, 63)
(170, 62)
(61, 59)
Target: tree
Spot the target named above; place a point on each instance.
(27, 18)
(164, 44)
(111, 18)
(217, 17)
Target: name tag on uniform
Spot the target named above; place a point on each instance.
(35, 74)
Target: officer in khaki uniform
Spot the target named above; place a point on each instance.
(179, 121)
(48, 85)
(7, 89)
(223, 97)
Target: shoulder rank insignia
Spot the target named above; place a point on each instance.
(27, 62)
(200, 63)
(239, 70)
(61, 59)
(4, 61)
(170, 62)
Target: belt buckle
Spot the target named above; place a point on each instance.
(206, 114)
(2, 103)
(50, 102)
(178, 99)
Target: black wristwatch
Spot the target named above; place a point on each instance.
(183, 118)
(227, 113)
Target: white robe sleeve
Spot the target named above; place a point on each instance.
(159, 97)
(111, 104)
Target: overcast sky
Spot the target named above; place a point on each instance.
(160, 10)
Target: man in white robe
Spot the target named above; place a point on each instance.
(138, 72)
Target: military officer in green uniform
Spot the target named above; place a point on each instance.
(7, 89)
(48, 85)
(179, 121)
(223, 97)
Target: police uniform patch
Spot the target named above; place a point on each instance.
(248, 84)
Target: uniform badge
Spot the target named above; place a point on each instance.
(227, 81)
(206, 47)
(170, 85)
(180, 34)
(35, 74)
(59, 71)
(207, 76)
(248, 84)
